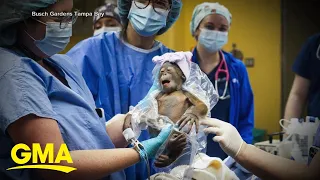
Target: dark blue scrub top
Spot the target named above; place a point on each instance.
(307, 65)
(220, 110)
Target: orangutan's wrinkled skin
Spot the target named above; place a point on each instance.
(178, 105)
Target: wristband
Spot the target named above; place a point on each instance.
(140, 149)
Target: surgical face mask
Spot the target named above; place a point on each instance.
(106, 29)
(212, 40)
(146, 22)
(55, 40)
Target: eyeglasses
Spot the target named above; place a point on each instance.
(70, 18)
(162, 4)
(64, 20)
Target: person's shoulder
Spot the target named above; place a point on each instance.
(307, 57)
(61, 58)
(9, 60)
(95, 42)
(8, 55)
(233, 61)
(68, 66)
(64, 60)
(236, 66)
(99, 38)
(311, 44)
(314, 38)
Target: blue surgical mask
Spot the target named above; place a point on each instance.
(212, 40)
(146, 22)
(55, 40)
(106, 29)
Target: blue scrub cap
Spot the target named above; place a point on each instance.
(109, 10)
(14, 11)
(205, 9)
(125, 5)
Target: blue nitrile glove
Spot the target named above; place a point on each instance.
(152, 145)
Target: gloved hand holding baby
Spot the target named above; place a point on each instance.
(176, 97)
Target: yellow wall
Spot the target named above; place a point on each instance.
(256, 29)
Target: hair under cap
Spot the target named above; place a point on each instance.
(205, 9)
(14, 11)
(108, 10)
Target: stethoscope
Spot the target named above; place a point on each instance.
(221, 70)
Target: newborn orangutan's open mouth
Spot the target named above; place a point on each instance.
(165, 82)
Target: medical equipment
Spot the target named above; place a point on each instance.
(313, 151)
(303, 132)
(130, 137)
(271, 145)
(226, 71)
(301, 135)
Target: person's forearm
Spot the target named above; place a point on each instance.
(95, 164)
(294, 106)
(268, 166)
(114, 128)
(297, 98)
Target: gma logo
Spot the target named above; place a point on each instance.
(37, 154)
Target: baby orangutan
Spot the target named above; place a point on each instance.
(180, 106)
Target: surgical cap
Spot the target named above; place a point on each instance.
(205, 9)
(14, 11)
(109, 10)
(125, 5)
